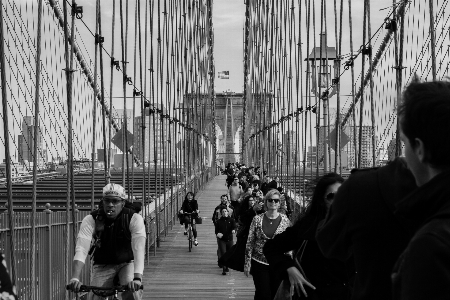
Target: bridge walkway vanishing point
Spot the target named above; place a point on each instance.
(176, 273)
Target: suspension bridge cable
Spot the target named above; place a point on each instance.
(35, 153)
(106, 158)
(7, 151)
(94, 102)
(111, 85)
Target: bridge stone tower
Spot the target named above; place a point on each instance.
(229, 113)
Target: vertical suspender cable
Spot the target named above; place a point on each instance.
(131, 192)
(308, 92)
(127, 147)
(69, 109)
(246, 71)
(317, 99)
(94, 103)
(158, 199)
(106, 158)
(7, 153)
(299, 104)
(353, 83)
(152, 115)
(69, 161)
(111, 88)
(162, 120)
(143, 124)
(399, 71)
(212, 94)
(361, 112)
(432, 40)
(124, 85)
(338, 91)
(35, 151)
(372, 104)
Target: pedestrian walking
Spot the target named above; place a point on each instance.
(225, 228)
(264, 227)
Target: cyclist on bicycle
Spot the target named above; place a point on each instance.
(118, 249)
(190, 205)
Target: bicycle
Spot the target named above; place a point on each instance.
(105, 292)
(189, 229)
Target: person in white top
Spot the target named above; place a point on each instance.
(119, 245)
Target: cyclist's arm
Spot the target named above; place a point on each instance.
(137, 229)
(196, 207)
(83, 243)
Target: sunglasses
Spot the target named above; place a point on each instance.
(273, 200)
(112, 201)
(330, 196)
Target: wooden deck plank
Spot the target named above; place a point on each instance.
(176, 273)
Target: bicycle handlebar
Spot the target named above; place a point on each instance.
(118, 288)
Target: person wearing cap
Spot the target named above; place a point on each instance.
(119, 249)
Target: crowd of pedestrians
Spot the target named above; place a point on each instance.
(382, 234)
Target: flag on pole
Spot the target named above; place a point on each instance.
(224, 75)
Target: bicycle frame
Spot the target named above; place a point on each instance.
(189, 231)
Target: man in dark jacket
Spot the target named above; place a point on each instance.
(423, 269)
(225, 228)
(361, 223)
(218, 210)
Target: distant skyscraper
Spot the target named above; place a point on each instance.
(159, 132)
(118, 114)
(26, 143)
(347, 144)
(289, 147)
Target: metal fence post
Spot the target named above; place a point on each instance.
(48, 267)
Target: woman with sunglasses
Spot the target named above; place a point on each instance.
(264, 227)
(325, 278)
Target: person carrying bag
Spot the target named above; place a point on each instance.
(322, 278)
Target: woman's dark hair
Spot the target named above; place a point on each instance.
(186, 198)
(317, 209)
(245, 202)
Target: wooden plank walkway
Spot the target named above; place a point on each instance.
(176, 273)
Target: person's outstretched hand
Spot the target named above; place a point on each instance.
(297, 281)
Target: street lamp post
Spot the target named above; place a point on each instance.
(318, 59)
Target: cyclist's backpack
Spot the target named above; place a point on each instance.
(100, 219)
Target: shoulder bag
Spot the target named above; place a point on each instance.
(283, 292)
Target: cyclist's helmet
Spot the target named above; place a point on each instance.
(114, 190)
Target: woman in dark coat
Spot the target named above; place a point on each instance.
(190, 205)
(235, 258)
(326, 279)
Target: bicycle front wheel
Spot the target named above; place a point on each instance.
(190, 238)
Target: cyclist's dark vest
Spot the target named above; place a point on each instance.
(115, 245)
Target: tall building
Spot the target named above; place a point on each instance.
(348, 146)
(367, 146)
(291, 147)
(155, 130)
(311, 156)
(118, 115)
(26, 143)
